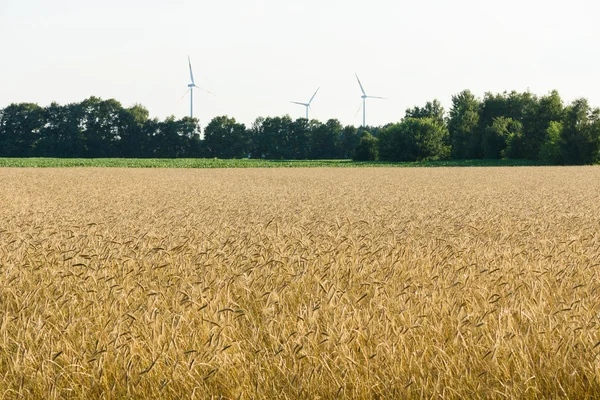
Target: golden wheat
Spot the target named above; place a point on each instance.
(300, 283)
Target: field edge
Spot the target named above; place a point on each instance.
(244, 163)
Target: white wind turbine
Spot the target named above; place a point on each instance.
(191, 86)
(307, 105)
(364, 97)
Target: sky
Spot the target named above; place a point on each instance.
(257, 56)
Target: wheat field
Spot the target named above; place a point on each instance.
(300, 283)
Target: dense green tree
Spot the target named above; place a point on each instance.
(61, 135)
(299, 139)
(532, 113)
(580, 134)
(190, 130)
(497, 136)
(523, 107)
(279, 129)
(550, 108)
(509, 124)
(493, 105)
(413, 139)
(225, 138)
(463, 121)
(173, 138)
(349, 140)
(134, 138)
(514, 106)
(100, 126)
(432, 109)
(271, 137)
(550, 149)
(258, 144)
(367, 148)
(20, 126)
(325, 137)
(536, 121)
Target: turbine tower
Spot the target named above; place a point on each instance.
(191, 86)
(307, 105)
(364, 98)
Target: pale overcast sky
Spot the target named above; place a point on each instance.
(258, 55)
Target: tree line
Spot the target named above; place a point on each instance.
(502, 125)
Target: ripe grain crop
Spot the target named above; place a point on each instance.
(300, 283)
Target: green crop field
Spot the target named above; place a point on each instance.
(241, 163)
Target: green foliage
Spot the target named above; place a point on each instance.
(367, 148)
(511, 125)
(580, 137)
(326, 140)
(463, 121)
(62, 133)
(413, 139)
(173, 137)
(349, 140)
(299, 139)
(133, 127)
(514, 143)
(225, 138)
(537, 121)
(495, 134)
(99, 124)
(550, 149)
(496, 137)
(432, 110)
(273, 138)
(20, 125)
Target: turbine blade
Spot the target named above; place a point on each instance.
(376, 97)
(360, 84)
(191, 73)
(185, 94)
(302, 104)
(359, 107)
(313, 96)
(204, 90)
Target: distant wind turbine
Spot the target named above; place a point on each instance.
(191, 86)
(364, 97)
(307, 105)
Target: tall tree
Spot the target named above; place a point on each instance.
(225, 138)
(548, 109)
(349, 140)
(271, 137)
(100, 126)
(462, 124)
(550, 149)
(367, 148)
(432, 109)
(326, 140)
(258, 144)
(503, 130)
(20, 126)
(134, 138)
(299, 139)
(413, 139)
(580, 135)
(61, 135)
(173, 138)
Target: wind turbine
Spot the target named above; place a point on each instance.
(307, 105)
(191, 86)
(364, 98)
